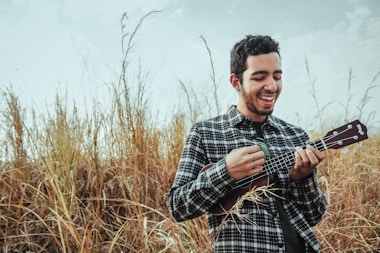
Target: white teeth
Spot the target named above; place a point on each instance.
(266, 98)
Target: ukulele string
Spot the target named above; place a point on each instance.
(334, 135)
(288, 159)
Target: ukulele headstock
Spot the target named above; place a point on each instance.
(345, 135)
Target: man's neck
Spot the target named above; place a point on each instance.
(251, 115)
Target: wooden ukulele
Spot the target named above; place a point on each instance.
(340, 137)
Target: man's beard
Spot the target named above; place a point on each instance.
(252, 107)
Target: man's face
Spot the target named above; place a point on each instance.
(261, 86)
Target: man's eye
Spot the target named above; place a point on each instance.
(277, 78)
(258, 78)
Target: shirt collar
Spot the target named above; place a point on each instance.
(235, 118)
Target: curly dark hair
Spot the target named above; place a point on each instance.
(250, 45)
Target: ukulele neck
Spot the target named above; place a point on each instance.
(274, 164)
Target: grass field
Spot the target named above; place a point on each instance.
(97, 181)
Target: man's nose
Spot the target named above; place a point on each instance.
(271, 84)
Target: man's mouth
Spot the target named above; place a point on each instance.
(267, 98)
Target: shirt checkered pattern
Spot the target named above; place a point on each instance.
(194, 192)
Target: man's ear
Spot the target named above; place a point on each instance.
(234, 80)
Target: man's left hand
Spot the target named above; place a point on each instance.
(306, 161)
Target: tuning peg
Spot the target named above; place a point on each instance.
(344, 150)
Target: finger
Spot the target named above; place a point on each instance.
(298, 159)
(246, 150)
(316, 152)
(251, 149)
(253, 159)
(258, 162)
(257, 155)
(301, 152)
(313, 159)
(256, 170)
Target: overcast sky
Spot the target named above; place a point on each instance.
(49, 46)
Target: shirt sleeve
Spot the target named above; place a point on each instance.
(194, 191)
(309, 198)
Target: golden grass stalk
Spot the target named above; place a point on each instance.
(97, 181)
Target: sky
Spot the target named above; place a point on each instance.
(74, 48)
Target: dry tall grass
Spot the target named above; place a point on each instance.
(92, 184)
(97, 181)
(351, 184)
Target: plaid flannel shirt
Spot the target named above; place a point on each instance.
(194, 192)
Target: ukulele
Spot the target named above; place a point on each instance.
(340, 137)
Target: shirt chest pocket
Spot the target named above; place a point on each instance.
(217, 151)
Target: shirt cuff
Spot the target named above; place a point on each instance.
(219, 179)
(305, 187)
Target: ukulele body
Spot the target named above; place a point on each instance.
(228, 201)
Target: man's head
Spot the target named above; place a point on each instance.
(250, 45)
(256, 75)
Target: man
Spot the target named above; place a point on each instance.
(232, 145)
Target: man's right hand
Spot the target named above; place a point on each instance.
(244, 162)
